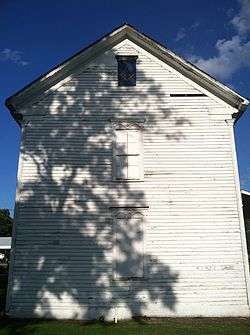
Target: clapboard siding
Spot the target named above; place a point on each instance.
(193, 259)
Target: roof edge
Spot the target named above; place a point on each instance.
(14, 102)
(18, 100)
(245, 192)
(233, 97)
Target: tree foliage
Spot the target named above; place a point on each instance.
(5, 222)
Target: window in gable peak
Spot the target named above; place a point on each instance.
(126, 70)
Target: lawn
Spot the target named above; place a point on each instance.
(180, 326)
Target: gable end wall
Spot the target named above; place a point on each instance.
(195, 254)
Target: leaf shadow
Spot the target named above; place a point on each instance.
(62, 263)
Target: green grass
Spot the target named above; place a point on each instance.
(180, 326)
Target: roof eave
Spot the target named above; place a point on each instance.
(242, 108)
(61, 71)
(18, 100)
(13, 111)
(194, 73)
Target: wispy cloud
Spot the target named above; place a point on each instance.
(195, 25)
(232, 54)
(180, 34)
(242, 21)
(13, 56)
(229, 12)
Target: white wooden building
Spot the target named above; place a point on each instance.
(5, 243)
(128, 199)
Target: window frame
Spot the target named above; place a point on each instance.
(127, 125)
(124, 58)
(127, 213)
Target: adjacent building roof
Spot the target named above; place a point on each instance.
(17, 101)
(5, 242)
(247, 193)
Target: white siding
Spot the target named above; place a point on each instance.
(63, 251)
(128, 248)
(127, 155)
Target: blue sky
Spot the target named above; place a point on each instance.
(37, 35)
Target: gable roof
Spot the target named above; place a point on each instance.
(17, 101)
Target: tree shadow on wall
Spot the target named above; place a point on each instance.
(63, 262)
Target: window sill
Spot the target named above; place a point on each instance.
(129, 279)
(128, 206)
(127, 181)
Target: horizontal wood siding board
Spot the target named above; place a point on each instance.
(192, 227)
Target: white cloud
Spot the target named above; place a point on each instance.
(241, 22)
(12, 56)
(232, 54)
(180, 34)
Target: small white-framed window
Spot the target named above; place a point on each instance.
(128, 154)
(128, 244)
